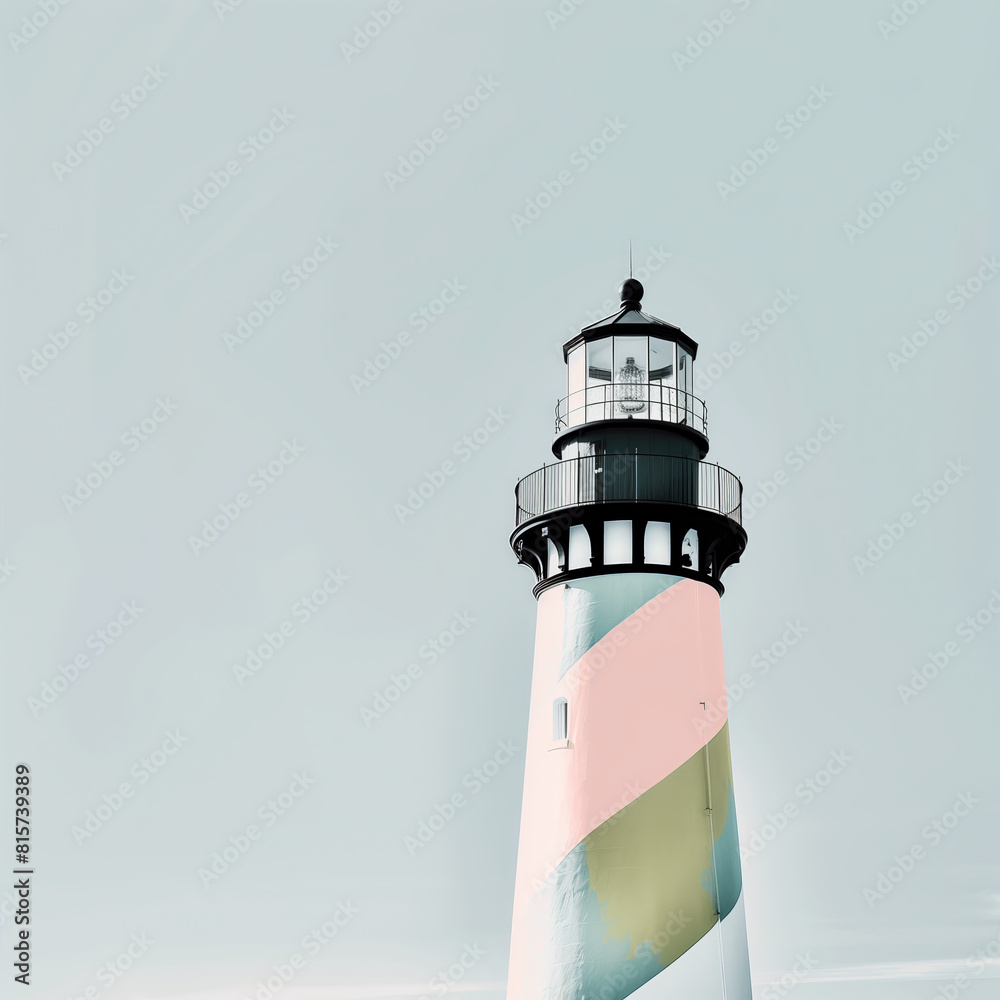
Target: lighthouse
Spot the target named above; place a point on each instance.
(628, 871)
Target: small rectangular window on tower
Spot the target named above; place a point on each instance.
(560, 719)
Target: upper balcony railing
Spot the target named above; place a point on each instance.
(608, 478)
(638, 400)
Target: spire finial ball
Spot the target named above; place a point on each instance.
(631, 291)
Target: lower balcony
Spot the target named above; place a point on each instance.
(598, 479)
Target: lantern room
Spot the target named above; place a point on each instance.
(630, 487)
(631, 366)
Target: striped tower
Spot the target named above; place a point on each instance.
(628, 871)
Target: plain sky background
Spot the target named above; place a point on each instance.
(525, 290)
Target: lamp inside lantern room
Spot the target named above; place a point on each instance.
(628, 390)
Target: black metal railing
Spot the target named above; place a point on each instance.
(606, 478)
(641, 401)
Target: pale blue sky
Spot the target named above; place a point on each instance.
(298, 135)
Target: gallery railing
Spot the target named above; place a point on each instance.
(606, 478)
(639, 400)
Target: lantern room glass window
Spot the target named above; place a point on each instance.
(662, 379)
(630, 376)
(685, 386)
(599, 375)
(576, 404)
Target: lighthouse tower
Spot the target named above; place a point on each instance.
(628, 870)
